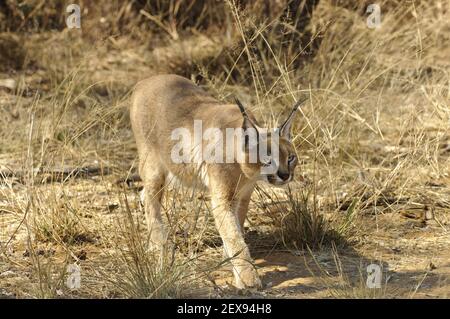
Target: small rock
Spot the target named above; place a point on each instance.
(7, 273)
(8, 83)
(429, 214)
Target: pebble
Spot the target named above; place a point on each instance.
(7, 273)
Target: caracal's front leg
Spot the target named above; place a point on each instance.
(242, 203)
(227, 224)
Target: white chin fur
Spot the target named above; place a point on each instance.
(277, 182)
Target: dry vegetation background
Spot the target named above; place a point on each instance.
(373, 139)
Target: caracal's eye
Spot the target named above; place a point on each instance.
(291, 158)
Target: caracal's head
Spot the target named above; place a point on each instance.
(269, 154)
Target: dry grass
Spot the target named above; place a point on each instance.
(373, 140)
(137, 272)
(341, 285)
(297, 223)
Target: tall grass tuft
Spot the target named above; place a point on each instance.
(137, 272)
(296, 221)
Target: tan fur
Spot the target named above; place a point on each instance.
(163, 103)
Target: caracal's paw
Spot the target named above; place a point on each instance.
(247, 278)
(157, 240)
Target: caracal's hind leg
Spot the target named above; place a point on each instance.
(154, 175)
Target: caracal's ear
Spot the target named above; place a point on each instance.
(285, 128)
(248, 123)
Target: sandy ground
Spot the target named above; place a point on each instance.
(412, 254)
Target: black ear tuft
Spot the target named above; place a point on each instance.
(241, 107)
(247, 124)
(247, 121)
(285, 129)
